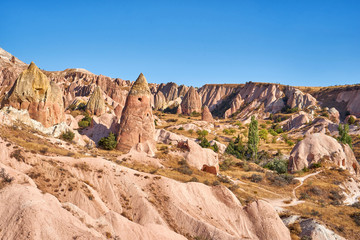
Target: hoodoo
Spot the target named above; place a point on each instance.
(96, 103)
(34, 92)
(137, 123)
(191, 102)
(206, 115)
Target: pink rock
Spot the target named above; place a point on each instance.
(318, 146)
(191, 102)
(137, 123)
(206, 115)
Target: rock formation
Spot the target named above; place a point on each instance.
(178, 110)
(334, 115)
(191, 102)
(298, 99)
(320, 147)
(206, 115)
(96, 103)
(159, 101)
(296, 121)
(137, 123)
(34, 92)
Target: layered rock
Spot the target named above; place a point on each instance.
(96, 103)
(137, 123)
(297, 98)
(206, 115)
(191, 102)
(34, 92)
(320, 147)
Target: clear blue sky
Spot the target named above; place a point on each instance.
(315, 43)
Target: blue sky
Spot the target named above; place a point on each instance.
(301, 43)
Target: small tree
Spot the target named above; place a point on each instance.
(109, 142)
(344, 136)
(253, 138)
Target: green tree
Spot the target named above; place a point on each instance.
(109, 142)
(253, 138)
(344, 136)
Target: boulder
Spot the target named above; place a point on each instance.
(32, 91)
(334, 115)
(96, 103)
(137, 122)
(191, 102)
(320, 147)
(200, 158)
(206, 115)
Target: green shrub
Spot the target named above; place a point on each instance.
(277, 165)
(195, 114)
(68, 135)
(237, 148)
(272, 132)
(215, 147)
(263, 134)
(256, 178)
(351, 120)
(85, 122)
(109, 142)
(344, 136)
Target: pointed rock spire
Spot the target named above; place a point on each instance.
(140, 86)
(96, 103)
(206, 115)
(137, 123)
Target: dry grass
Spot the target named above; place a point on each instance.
(27, 139)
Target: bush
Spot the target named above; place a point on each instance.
(5, 177)
(204, 143)
(272, 132)
(344, 136)
(68, 135)
(184, 168)
(85, 122)
(256, 178)
(351, 120)
(229, 131)
(278, 165)
(109, 142)
(263, 134)
(215, 148)
(237, 148)
(226, 164)
(356, 217)
(195, 114)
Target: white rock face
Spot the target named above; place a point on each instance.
(10, 116)
(317, 231)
